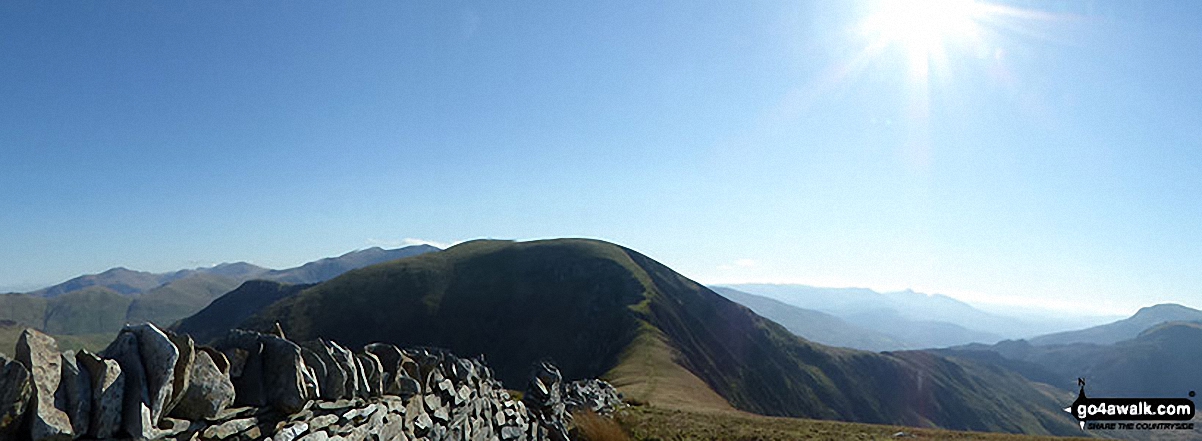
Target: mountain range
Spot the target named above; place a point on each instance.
(598, 309)
(1124, 329)
(601, 310)
(97, 305)
(914, 320)
(1163, 358)
(816, 326)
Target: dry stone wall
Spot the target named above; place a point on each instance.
(155, 385)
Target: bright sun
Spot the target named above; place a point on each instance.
(924, 29)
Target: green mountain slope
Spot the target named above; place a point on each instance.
(1124, 329)
(598, 309)
(233, 308)
(93, 309)
(168, 303)
(24, 309)
(88, 311)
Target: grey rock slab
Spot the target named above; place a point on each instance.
(407, 386)
(245, 353)
(173, 426)
(182, 373)
(373, 373)
(284, 374)
(39, 354)
(320, 435)
(135, 403)
(432, 402)
(364, 390)
(331, 375)
(408, 366)
(108, 393)
(229, 428)
(392, 430)
(422, 425)
(316, 374)
(390, 360)
(322, 422)
(209, 391)
(77, 385)
(291, 432)
(219, 359)
(441, 414)
(334, 405)
(346, 360)
(159, 356)
(303, 415)
(233, 412)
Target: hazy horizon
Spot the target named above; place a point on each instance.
(995, 307)
(995, 152)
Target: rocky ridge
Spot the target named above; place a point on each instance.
(155, 385)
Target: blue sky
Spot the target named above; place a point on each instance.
(1043, 153)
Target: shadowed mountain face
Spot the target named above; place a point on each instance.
(232, 308)
(1162, 361)
(1124, 329)
(598, 309)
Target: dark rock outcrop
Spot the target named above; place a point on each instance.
(544, 397)
(390, 360)
(15, 391)
(135, 402)
(244, 351)
(284, 375)
(373, 373)
(182, 373)
(108, 392)
(76, 385)
(331, 375)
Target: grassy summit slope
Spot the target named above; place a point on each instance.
(598, 309)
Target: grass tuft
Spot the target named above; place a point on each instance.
(593, 427)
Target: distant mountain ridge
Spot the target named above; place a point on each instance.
(97, 304)
(596, 308)
(129, 282)
(1161, 361)
(925, 320)
(913, 320)
(331, 267)
(1124, 329)
(814, 325)
(119, 280)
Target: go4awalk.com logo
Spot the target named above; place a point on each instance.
(1132, 413)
